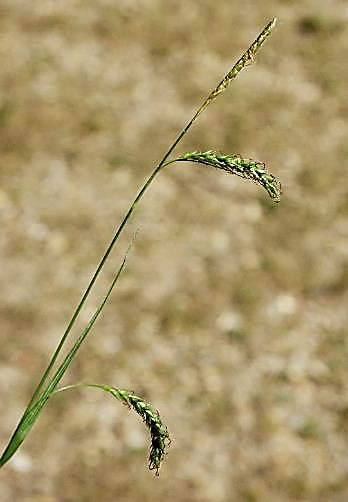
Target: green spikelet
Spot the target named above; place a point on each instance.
(245, 60)
(158, 431)
(235, 164)
(160, 439)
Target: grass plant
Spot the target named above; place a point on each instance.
(48, 384)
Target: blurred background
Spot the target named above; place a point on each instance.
(231, 317)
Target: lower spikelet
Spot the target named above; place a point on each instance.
(158, 431)
(235, 164)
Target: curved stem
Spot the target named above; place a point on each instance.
(33, 408)
(77, 385)
(246, 58)
(101, 264)
(37, 401)
(91, 283)
(32, 411)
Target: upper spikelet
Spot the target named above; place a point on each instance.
(245, 60)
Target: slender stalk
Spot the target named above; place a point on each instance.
(92, 281)
(36, 403)
(33, 411)
(244, 61)
(106, 255)
(104, 259)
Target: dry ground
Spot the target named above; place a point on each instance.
(232, 315)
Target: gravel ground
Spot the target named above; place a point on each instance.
(231, 317)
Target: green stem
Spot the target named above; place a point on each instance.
(35, 404)
(106, 255)
(33, 411)
(241, 63)
(78, 385)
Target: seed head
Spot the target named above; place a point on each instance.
(236, 164)
(158, 431)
